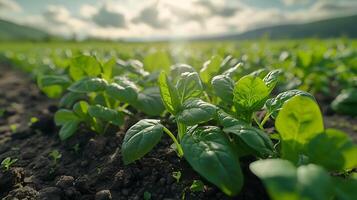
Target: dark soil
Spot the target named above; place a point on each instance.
(90, 166)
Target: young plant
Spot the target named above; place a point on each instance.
(55, 155)
(101, 100)
(7, 163)
(206, 148)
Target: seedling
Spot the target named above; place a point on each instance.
(208, 143)
(55, 155)
(7, 163)
(147, 195)
(13, 128)
(197, 186)
(99, 99)
(177, 176)
(2, 112)
(33, 120)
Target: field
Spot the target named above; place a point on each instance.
(179, 120)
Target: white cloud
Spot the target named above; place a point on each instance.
(294, 2)
(152, 18)
(87, 11)
(10, 5)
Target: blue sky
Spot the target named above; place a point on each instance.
(163, 18)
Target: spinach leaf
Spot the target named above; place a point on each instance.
(209, 153)
(140, 139)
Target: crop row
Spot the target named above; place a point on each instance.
(221, 112)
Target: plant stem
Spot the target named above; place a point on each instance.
(257, 122)
(178, 146)
(265, 119)
(181, 128)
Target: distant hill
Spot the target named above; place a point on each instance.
(11, 31)
(329, 28)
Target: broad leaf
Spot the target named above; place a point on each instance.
(84, 65)
(209, 153)
(68, 129)
(195, 111)
(274, 104)
(210, 68)
(70, 98)
(342, 157)
(223, 87)
(81, 109)
(140, 139)
(271, 79)
(298, 121)
(159, 60)
(63, 116)
(250, 93)
(123, 93)
(106, 114)
(88, 85)
(255, 139)
(178, 69)
(286, 182)
(345, 102)
(189, 85)
(149, 101)
(50, 80)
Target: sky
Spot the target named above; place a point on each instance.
(113, 19)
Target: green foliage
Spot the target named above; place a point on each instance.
(195, 111)
(298, 121)
(345, 102)
(249, 95)
(284, 181)
(197, 186)
(210, 154)
(7, 163)
(140, 139)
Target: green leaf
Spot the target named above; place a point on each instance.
(298, 121)
(169, 94)
(178, 69)
(345, 189)
(88, 85)
(279, 177)
(273, 105)
(255, 139)
(84, 65)
(68, 129)
(209, 153)
(106, 114)
(149, 101)
(189, 85)
(195, 111)
(272, 78)
(197, 186)
(345, 101)
(227, 120)
(210, 68)
(81, 109)
(140, 139)
(107, 69)
(223, 87)
(70, 98)
(285, 182)
(343, 155)
(159, 60)
(314, 182)
(250, 93)
(63, 116)
(123, 93)
(50, 80)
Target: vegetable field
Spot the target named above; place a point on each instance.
(195, 120)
